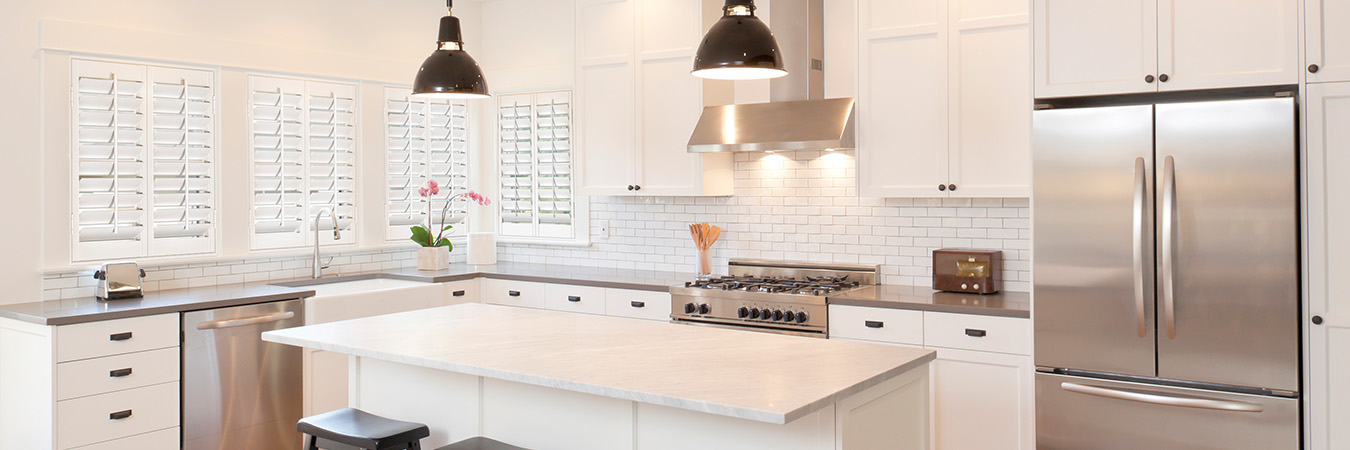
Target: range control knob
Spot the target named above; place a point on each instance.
(777, 315)
(689, 308)
(801, 317)
(766, 314)
(789, 316)
(754, 313)
(704, 309)
(743, 312)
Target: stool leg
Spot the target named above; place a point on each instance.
(415, 445)
(311, 443)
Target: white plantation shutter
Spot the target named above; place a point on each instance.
(143, 153)
(425, 140)
(304, 160)
(536, 165)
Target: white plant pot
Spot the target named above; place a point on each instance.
(433, 258)
(482, 248)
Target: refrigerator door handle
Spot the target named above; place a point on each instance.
(1158, 398)
(1140, 222)
(1169, 240)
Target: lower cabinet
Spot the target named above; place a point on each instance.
(983, 389)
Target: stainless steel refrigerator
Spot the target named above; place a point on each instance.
(1166, 268)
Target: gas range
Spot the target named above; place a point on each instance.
(779, 297)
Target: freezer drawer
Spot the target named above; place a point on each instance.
(1074, 413)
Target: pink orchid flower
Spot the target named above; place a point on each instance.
(422, 192)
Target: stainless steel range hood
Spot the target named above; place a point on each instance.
(798, 117)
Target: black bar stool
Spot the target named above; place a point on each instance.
(354, 429)
(481, 443)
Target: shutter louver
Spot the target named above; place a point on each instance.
(536, 165)
(304, 159)
(143, 152)
(425, 140)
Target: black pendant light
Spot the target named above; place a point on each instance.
(450, 72)
(739, 47)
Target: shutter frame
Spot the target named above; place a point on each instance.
(424, 139)
(534, 141)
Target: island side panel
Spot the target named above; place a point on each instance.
(893, 415)
(448, 403)
(665, 428)
(540, 417)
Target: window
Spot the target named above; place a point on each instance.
(536, 167)
(304, 160)
(425, 140)
(143, 153)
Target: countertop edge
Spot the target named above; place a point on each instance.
(893, 304)
(151, 311)
(862, 386)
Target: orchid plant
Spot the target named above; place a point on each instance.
(422, 234)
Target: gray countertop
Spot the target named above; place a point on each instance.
(1006, 304)
(640, 280)
(90, 309)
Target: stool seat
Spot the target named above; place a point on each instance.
(481, 443)
(363, 430)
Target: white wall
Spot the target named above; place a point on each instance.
(350, 39)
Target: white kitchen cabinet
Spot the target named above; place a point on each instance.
(1095, 47)
(647, 305)
(1327, 29)
(463, 291)
(1098, 47)
(638, 102)
(1207, 44)
(944, 98)
(579, 299)
(513, 293)
(1328, 369)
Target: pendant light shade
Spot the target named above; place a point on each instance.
(739, 47)
(450, 72)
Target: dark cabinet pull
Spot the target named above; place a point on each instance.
(638, 187)
(119, 336)
(1163, 78)
(976, 333)
(1312, 68)
(513, 293)
(119, 415)
(573, 298)
(1317, 320)
(630, 187)
(951, 187)
(119, 373)
(942, 187)
(873, 324)
(1148, 78)
(637, 304)
(457, 293)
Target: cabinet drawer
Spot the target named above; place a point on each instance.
(647, 305)
(569, 298)
(166, 439)
(513, 293)
(99, 418)
(896, 326)
(116, 373)
(116, 337)
(980, 333)
(465, 291)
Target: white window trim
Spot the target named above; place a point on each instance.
(400, 233)
(581, 233)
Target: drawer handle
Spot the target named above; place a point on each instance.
(245, 321)
(513, 293)
(119, 336)
(119, 415)
(976, 333)
(874, 324)
(458, 293)
(637, 304)
(119, 373)
(573, 298)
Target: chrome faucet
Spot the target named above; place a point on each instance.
(337, 234)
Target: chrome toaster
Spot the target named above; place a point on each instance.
(119, 280)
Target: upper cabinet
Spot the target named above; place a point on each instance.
(1098, 47)
(638, 102)
(944, 98)
(1328, 30)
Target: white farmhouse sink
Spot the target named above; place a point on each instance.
(360, 286)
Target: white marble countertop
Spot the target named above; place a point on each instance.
(743, 374)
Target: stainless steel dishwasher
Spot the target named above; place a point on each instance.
(238, 391)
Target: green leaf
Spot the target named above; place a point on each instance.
(447, 227)
(421, 236)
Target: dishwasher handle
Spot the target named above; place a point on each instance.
(246, 321)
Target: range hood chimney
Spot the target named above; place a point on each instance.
(798, 117)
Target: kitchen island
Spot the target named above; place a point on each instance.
(557, 381)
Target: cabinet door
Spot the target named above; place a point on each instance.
(1328, 33)
(1205, 44)
(1095, 47)
(671, 100)
(1328, 158)
(983, 401)
(902, 111)
(990, 105)
(606, 94)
